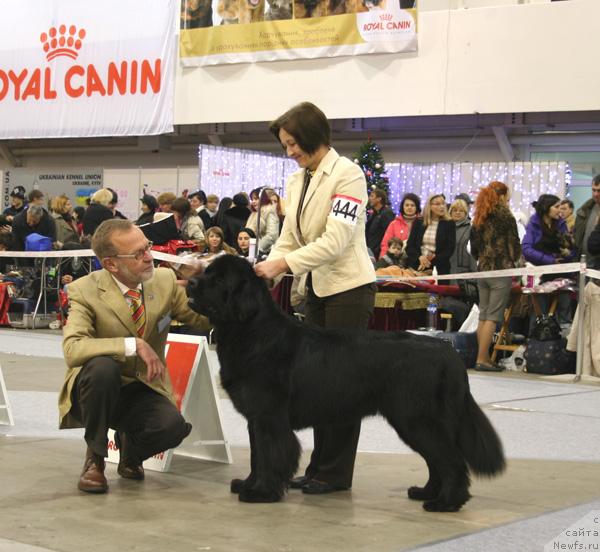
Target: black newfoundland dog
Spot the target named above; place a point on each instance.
(284, 375)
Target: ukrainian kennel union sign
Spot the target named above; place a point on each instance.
(236, 31)
(85, 68)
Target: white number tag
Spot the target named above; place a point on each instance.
(345, 208)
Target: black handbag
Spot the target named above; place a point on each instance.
(546, 328)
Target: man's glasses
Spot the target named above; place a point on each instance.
(138, 255)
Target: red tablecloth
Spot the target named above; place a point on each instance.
(4, 304)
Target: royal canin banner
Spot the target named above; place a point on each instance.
(77, 68)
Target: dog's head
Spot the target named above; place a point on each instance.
(229, 291)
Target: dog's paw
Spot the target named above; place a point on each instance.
(237, 485)
(439, 506)
(256, 495)
(422, 493)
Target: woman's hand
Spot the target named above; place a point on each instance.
(271, 269)
(424, 263)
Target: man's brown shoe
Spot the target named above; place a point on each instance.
(128, 467)
(92, 478)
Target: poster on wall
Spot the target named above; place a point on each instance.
(78, 184)
(215, 32)
(80, 68)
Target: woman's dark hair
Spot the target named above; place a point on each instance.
(181, 206)
(264, 196)
(307, 124)
(248, 231)
(412, 197)
(79, 211)
(200, 194)
(223, 206)
(543, 204)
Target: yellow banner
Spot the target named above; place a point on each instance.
(234, 31)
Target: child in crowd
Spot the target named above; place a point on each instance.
(394, 256)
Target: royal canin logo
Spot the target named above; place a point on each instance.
(129, 77)
(62, 45)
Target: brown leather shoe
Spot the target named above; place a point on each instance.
(92, 478)
(129, 467)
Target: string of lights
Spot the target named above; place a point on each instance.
(227, 171)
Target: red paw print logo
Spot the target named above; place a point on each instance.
(62, 41)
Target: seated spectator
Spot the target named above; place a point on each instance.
(34, 220)
(215, 243)
(461, 260)
(394, 255)
(149, 207)
(432, 239)
(234, 219)
(188, 222)
(378, 221)
(548, 241)
(243, 241)
(566, 210)
(269, 222)
(98, 211)
(62, 212)
(17, 203)
(165, 200)
(78, 213)
(410, 210)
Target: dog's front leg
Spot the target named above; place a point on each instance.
(238, 484)
(276, 452)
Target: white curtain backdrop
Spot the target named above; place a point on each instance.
(527, 181)
(227, 171)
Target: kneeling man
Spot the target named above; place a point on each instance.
(114, 346)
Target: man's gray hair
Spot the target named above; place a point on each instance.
(36, 211)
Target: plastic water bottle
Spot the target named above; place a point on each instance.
(432, 307)
(252, 249)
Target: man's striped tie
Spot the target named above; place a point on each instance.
(137, 310)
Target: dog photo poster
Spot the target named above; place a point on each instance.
(215, 32)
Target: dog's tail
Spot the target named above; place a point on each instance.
(479, 442)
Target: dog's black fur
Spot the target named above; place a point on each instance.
(283, 375)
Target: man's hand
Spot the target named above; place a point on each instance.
(155, 368)
(271, 269)
(187, 271)
(6, 229)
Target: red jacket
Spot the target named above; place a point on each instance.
(398, 228)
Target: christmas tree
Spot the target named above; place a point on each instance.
(371, 161)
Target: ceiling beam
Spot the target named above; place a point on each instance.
(503, 143)
(9, 156)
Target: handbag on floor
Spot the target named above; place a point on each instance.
(548, 358)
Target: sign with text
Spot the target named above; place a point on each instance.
(238, 31)
(85, 68)
(78, 184)
(197, 400)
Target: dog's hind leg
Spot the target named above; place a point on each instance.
(448, 486)
(238, 484)
(276, 453)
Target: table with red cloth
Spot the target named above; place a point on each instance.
(402, 305)
(4, 303)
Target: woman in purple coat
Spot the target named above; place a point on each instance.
(547, 241)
